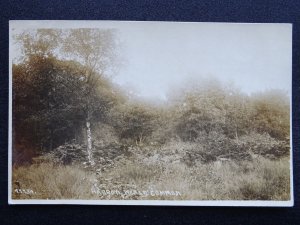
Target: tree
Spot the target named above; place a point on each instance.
(135, 122)
(38, 43)
(237, 113)
(201, 110)
(271, 114)
(94, 50)
(45, 109)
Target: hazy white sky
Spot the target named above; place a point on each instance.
(160, 55)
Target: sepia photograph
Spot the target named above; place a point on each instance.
(150, 113)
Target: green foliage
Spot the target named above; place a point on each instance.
(272, 114)
(264, 144)
(61, 83)
(134, 121)
(211, 107)
(51, 101)
(42, 99)
(54, 96)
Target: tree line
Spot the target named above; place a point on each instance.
(62, 93)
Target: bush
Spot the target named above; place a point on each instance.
(208, 147)
(213, 146)
(67, 154)
(104, 134)
(264, 144)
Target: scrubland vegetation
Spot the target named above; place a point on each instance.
(260, 179)
(76, 134)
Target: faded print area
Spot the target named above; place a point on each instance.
(151, 111)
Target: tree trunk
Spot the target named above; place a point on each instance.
(89, 143)
(236, 133)
(140, 139)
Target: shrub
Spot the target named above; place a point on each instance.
(212, 146)
(264, 144)
(104, 135)
(67, 154)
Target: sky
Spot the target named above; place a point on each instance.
(160, 55)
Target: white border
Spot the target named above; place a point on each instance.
(156, 202)
(109, 24)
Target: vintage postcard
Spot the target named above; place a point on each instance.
(150, 113)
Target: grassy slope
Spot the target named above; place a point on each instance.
(261, 179)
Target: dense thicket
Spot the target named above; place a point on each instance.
(50, 104)
(59, 101)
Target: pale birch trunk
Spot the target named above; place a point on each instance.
(89, 143)
(236, 133)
